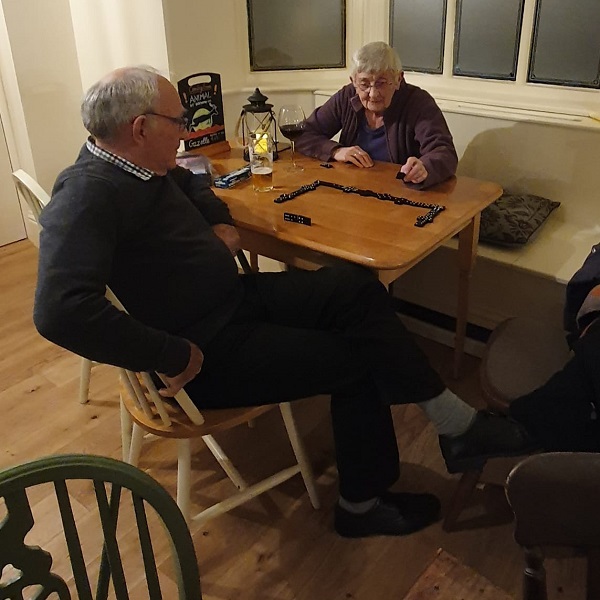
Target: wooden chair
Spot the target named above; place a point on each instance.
(520, 356)
(555, 499)
(180, 419)
(91, 546)
(36, 199)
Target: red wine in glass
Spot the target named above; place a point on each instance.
(291, 125)
(293, 131)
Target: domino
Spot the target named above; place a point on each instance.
(294, 218)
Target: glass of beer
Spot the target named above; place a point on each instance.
(260, 150)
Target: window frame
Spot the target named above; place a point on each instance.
(546, 102)
(531, 78)
(254, 68)
(368, 20)
(495, 76)
(440, 69)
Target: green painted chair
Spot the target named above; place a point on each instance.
(76, 517)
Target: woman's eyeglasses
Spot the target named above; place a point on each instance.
(379, 85)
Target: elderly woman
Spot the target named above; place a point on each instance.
(381, 117)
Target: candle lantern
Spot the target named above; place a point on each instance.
(257, 118)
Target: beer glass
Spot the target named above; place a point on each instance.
(260, 151)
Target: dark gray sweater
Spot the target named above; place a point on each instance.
(151, 242)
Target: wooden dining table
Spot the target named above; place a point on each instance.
(378, 234)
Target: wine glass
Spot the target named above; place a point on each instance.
(291, 125)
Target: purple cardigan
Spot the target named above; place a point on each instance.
(414, 126)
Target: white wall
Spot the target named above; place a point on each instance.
(115, 33)
(51, 51)
(47, 75)
(11, 224)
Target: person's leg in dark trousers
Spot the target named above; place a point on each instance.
(352, 303)
(333, 331)
(563, 414)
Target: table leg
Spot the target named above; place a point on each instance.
(467, 252)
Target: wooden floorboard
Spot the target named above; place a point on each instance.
(275, 547)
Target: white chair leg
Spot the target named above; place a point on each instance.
(247, 494)
(184, 472)
(137, 438)
(126, 430)
(84, 380)
(225, 462)
(300, 452)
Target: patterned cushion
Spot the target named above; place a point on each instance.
(514, 218)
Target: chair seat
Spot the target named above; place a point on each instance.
(181, 427)
(178, 418)
(521, 355)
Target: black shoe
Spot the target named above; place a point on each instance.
(491, 435)
(394, 514)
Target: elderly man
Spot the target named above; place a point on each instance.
(124, 215)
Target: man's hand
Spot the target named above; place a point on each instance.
(174, 384)
(353, 154)
(414, 170)
(229, 235)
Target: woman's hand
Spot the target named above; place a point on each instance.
(414, 170)
(353, 154)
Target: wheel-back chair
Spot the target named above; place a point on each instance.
(89, 527)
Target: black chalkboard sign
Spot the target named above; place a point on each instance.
(201, 96)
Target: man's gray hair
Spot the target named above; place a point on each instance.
(374, 58)
(118, 99)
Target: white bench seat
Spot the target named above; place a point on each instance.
(557, 251)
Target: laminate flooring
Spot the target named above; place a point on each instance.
(276, 547)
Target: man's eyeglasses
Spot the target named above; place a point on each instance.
(379, 85)
(181, 122)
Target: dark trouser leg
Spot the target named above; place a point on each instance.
(351, 301)
(264, 363)
(333, 331)
(365, 442)
(559, 415)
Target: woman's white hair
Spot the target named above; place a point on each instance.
(118, 99)
(375, 57)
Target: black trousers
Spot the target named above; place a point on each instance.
(333, 331)
(564, 414)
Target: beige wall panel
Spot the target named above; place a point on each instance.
(115, 33)
(11, 224)
(43, 49)
(205, 36)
